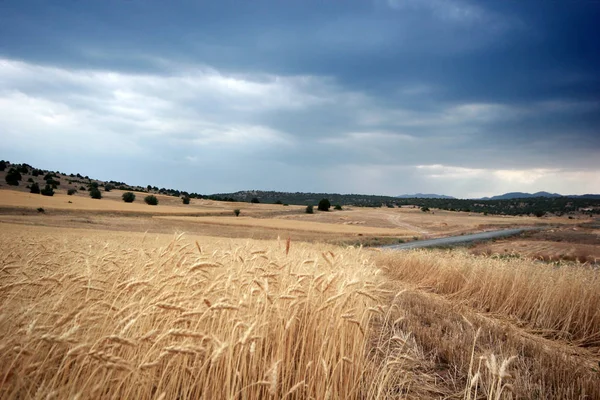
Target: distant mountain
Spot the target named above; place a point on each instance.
(424, 196)
(585, 196)
(521, 195)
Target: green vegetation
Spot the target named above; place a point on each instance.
(108, 187)
(151, 200)
(338, 207)
(13, 177)
(425, 209)
(309, 209)
(236, 212)
(35, 188)
(95, 193)
(47, 191)
(71, 192)
(255, 200)
(324, 205)
(128, 197)
(3, 165)
(185, 199)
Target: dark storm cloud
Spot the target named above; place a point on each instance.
(387, 91)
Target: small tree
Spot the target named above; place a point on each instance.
(185, 199)
(35, 188)
(425, 209)
(47, 191)
(95, 193)
(309, 209)
(255, 200)
(108, 187)
(128, 197)
(151, 200)
(3, 165)
(13, 177)
(324, 205)
(236, 212)
(71, 192)
(338, 207)
(278, 202)
(82, 188)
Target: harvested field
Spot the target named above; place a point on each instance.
(542, 250)
(286, 224)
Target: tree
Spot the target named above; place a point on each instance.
(151, 200)
(3, 165)
(338, 207)
(425, 209)
(324, 205)
(71, 192)
(278, 202)
(236, 212)
(35, 188)
(108, 187)
(255, 200)
(95, 193)
(13, 177)
(309, 209)
(128, 197)
(47, 191)
(185, 199)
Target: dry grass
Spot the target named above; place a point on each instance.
(114, 315)
(549, 317)
(288, 224)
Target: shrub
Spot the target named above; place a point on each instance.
(35, 188)
(324, 205)
(30, 180)
(151, 200)
(49, 175)
(71, 192)
(540, 213)
(338, 207)
(23, 169)
(41, 210)
(47, 191)
(93, 185)
(425, 209)
(236, 212)
(278, 202)
(95, 193)
(309, 209)
(3, 165)
(255, 200)
(13, 177)
(185, 199)
(108, 187)
(82, 188)
(128, 197)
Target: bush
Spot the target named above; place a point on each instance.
(108, 187)
(41, 210)
(71, 192)
(82, 188)
(93, 185)
(128, 197)
(47, 191)
(49, 175)
(151, 200)
(35, 188)
(255, 200)
(3, 165)
(236, 212)
(13, 177)
(338, 207)
(425, 209)
(278, 202)
(324, 205)
(95, 193)
(185, 200)
(540, 213)
(309, 209)
(30, 180)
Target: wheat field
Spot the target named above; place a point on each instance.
(110, 315)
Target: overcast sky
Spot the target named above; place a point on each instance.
(464, 98)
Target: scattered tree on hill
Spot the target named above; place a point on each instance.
(108, 187)
(93, 185)
(278, 202)
(3, 165)
(324, 205)
(82, 188)
(35, 188)
(71, 192)
(236, 212)
(425, 209)
(128, 197)
(185, 199)
(47, 191)
(13, 177)
(338, 207)
(255, 200)
(23, 169)
(540, 213)
(309, 209)
(95, 193)
(151, 200)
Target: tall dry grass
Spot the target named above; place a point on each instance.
(100, 315)
(555, 301)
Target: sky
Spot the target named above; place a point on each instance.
(456, 97)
